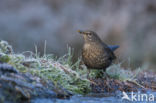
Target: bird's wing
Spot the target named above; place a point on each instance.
(109, 51)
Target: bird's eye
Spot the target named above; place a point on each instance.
(89, 34)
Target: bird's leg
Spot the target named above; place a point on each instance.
(88, 73)
(105, 75)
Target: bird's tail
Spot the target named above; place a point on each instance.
(113, 47)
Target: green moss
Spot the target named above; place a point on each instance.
(60, 71)
(4, 58)
(115, 71)
(5, 47)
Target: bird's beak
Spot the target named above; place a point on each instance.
(81, 32)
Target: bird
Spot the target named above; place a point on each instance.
(95, 53)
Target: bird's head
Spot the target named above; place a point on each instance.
(89, 36)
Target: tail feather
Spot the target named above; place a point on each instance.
(113, 47)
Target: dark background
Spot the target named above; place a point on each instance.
(128, 23)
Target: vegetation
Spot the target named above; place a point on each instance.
(62, 71)
(59, 70)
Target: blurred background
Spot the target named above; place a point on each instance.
(128, 23)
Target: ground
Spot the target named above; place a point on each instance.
(28, 75)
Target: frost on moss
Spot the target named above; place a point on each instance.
(117, 72)
(5, 47)
(60, 71)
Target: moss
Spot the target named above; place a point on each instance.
(4, 58)
(60, 71)
(5, 47)
(115, 71)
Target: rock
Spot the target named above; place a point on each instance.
(4, 67)
(22, 87)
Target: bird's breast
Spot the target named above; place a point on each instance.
(91, 51)
(94, 56)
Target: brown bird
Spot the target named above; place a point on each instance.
(95, 53)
